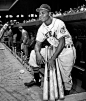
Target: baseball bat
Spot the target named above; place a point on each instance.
(61, 91)
(55, 84)
(55, 79)
(51, 83)
(52, 96)
(21, 54)
(45, 86)
(15, 49)
(22, 57)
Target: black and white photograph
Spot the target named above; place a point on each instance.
(42, 50)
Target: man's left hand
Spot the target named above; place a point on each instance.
(51, 63)
(22, 46)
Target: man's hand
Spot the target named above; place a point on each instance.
(22, 46)
(40, 59)
(51, 63)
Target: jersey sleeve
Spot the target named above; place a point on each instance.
(62, 30)
(40, 36)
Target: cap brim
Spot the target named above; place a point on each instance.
(39, 9)
(20, 27)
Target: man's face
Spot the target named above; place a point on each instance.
(20, 29)
(43, 15)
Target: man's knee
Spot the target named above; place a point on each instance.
(32, 53)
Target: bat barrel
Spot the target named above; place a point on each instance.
(45, 86)
(60, 85)
(51, 80)
(55, 84)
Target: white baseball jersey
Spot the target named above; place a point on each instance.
(66, 59)
(54, 32)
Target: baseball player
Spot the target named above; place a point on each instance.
(55, 32)
(25, 42)
(2, 31)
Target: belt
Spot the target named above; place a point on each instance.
(69, 46)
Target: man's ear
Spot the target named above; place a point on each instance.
(49, 13)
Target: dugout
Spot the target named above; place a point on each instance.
(76, 25)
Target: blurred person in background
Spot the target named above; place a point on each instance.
(3, 31)
(25, 42)
(10, 37)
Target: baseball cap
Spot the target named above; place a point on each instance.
(20, 27)
(5, 26)
(44, 7)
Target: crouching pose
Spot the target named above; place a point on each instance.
(56, 33)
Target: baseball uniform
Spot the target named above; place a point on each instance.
(66, 58)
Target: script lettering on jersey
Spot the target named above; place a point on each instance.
(48, 34)
(55, 34)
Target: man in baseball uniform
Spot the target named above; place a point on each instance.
(54, 31)
(25, 42)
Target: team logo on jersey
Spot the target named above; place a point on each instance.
(63, 30)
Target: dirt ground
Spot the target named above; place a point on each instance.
(12, 80)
